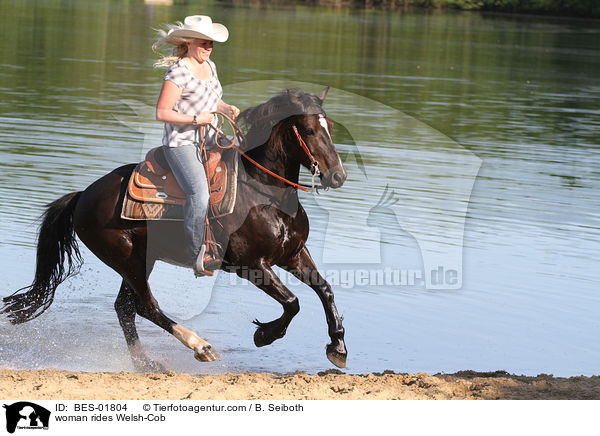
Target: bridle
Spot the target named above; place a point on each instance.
(240, 137)
(314, 165)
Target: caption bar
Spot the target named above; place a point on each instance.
(299, 417)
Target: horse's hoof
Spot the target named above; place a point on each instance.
(336, 357)
(150, 366)
(206, 354)
(259, 338)
(264, 334)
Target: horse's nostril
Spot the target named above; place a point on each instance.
(337, 178)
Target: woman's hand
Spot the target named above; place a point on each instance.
(204, 118)
(228, 109)
(234, 111)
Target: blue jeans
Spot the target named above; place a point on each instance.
(187, 167)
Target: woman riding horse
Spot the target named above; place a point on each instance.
(268, 227)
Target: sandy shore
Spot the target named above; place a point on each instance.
(331, 385)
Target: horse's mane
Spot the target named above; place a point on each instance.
(259, 121)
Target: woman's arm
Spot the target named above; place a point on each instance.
(169, 95)
(228, 109)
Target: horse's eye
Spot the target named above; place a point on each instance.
(310, 131)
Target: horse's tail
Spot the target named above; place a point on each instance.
(56, 243)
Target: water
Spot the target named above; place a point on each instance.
(483, 129)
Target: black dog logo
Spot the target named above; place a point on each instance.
(26, 415)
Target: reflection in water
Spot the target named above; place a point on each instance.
(519, 95)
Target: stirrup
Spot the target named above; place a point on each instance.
(199, 270)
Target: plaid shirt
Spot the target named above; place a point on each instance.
(196, 96)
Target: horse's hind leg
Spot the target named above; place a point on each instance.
(264, 278)
(125, 308)
(303, 267)
(146, 306)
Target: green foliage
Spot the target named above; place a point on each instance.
(584, 8)
(570, 7)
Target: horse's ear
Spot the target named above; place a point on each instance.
(323, 94)
(293, 98)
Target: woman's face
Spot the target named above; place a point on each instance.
(200, 49)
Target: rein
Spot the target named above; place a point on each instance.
(239, 133)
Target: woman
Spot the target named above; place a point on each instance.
(190, 93)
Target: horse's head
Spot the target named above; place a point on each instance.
(295, 125)
(314, 129)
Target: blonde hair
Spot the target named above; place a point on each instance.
(179, 51)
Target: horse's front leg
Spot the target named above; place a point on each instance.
(263, 277)
(303, 267)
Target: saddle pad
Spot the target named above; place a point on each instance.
(151, 196)
(139, 211)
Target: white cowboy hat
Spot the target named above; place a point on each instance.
(197, 26)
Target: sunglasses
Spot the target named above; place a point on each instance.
(203, 42)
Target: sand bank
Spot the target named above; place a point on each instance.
(331, 385)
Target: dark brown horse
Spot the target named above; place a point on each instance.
(268, 227)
